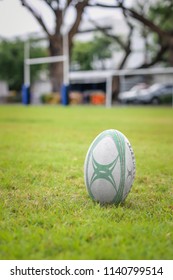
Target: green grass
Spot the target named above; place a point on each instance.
(45, 210)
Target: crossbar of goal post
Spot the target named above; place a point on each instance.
(40, 60)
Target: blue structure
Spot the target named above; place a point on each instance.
(26, 95)
(65, 95)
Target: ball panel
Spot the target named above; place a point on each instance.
(105, 152)
(130, 169)
(103, 191)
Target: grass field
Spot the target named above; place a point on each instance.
(45, 210)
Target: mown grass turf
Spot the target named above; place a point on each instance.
(45, 211)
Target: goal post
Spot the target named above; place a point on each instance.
(51, 59)
(36, 61)
(28, 62)
(100, 75)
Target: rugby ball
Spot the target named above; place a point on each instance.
(109, 168)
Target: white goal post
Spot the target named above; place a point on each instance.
(50, 59)
(92, 76)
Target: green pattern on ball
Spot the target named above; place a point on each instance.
(104, 171)
(120, 143)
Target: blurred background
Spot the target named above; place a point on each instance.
(86, 52)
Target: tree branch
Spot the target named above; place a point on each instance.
(158, 57)
(132, 13)
(103, 6)
(127, 48)
(80, 6)
(115, 37)
(36, 15)
(68, 3)
(49, 3)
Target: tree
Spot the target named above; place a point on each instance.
(162, 15)
(152, 19)
(155, 20)
(84, 53)
(11, 62)
(141, 13)
(55, 38)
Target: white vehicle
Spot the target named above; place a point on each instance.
(157, 94)
(132, 95)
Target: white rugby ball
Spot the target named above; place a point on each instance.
(109, 168)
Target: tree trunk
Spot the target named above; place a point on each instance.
(115, 87)
(171, 51)
(56, 69)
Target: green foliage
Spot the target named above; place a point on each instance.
(161, 12)
(45, 211)
(12, 62)
(102, 46)
(84, 53)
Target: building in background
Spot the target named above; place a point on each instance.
(4, 92)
